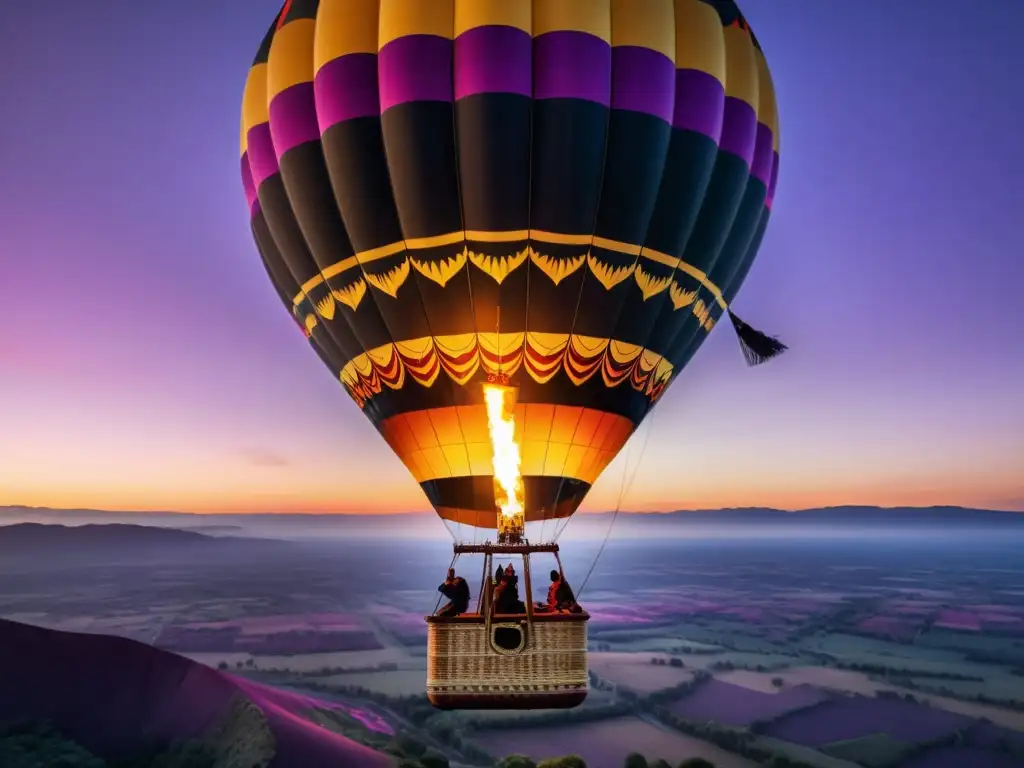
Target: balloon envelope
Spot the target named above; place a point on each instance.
(562, 193)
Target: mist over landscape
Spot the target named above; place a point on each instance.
(829, 638)
(747, 523)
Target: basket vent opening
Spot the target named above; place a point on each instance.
(508, 638)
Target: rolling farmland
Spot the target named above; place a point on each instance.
(636, 672)
(605, 744)
(785, 632)
(735, 705)
(857, 716)
(962, 757)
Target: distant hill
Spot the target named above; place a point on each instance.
(846, 515)
(424, 524)
(47, 546)
(23, 514)
(118, 698)
(215, 530)
(39, 538)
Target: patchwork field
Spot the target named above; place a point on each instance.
(876, 750)
(606, 744)
(991, 736)
(271, 635)
(874, 650)
(730, 704)
(996, 686)
(636, 672)
(805, 755)
(793, 676)
(741, 660)
(307, 662)
(778, 651)
(403, 682)
(659, 641)
(858, 716)
(1007, 648)
(895, 627)
(676, 636)
(596, 700)
(848, 681)
(406, 626)
(962, 757)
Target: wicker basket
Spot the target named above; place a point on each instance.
(475, 663)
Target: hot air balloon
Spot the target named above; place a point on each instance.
(507, 226)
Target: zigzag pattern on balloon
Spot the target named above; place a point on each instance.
(391, 279)
(541, 355)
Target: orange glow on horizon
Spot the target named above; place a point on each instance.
(995, 490)
(141, 452)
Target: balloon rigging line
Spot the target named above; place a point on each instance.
(440, 596)
(623, 490)
(448, 527)
(622, 484)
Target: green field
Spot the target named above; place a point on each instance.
(659, 642)
(1002, 686)
(699, 636)
(853, 649)
(743, 660)
(606, 743)
(870, 650)
(742, 652)
(1009, 650)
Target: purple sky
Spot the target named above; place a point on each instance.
(145, 361)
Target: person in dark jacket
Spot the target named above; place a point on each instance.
(506, 595)
(560, 596)
(456, 590)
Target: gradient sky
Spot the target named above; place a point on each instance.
(145, 362)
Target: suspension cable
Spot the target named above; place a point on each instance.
(440, 595)
(623, 490)
(450, 531)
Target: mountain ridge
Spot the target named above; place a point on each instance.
(53, 542)
(30, 539)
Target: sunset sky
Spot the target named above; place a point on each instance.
(145, 362)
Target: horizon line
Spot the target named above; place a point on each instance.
(426, 513)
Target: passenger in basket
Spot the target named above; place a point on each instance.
(506, 596)
(498, 574)
(560, 596)
(456, 590)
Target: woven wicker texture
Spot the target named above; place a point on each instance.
(461, 659)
